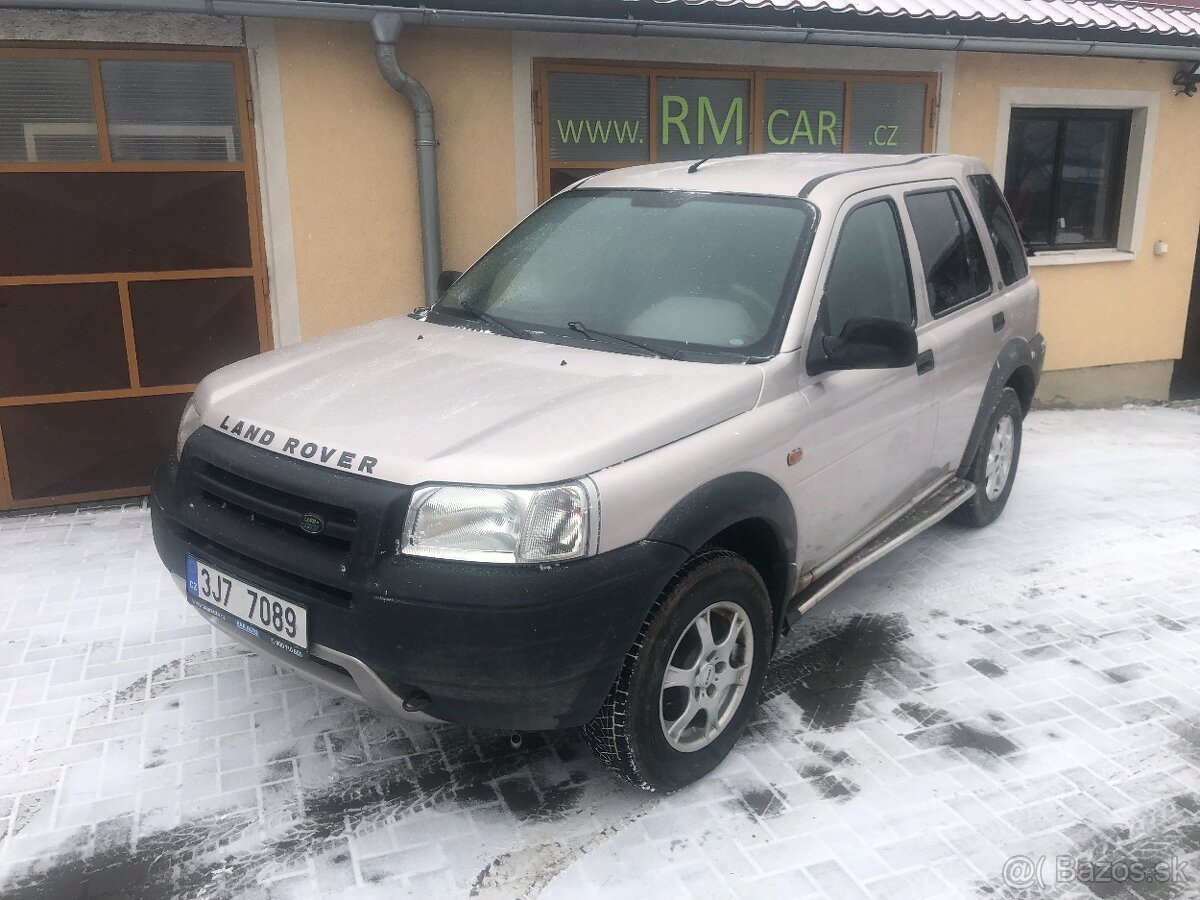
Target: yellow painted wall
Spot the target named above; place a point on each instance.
(354, 201)
(351, 162)
(1117, 312)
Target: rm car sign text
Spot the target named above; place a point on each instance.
(333, 457)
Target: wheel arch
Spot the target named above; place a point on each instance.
(1024, 382)
(1014, 367)
(747, 513)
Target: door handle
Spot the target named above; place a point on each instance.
(925, 362)
(997, 321)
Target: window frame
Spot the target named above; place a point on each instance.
(884, 195)
(993, 274)
(1062, 115)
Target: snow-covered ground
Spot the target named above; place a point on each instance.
(1023, 692)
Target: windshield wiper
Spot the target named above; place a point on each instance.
(488, 319)
(591, 334)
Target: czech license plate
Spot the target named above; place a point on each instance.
(262, 615)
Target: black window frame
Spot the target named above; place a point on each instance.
(821, 325)
(956, 190)
(1120, 169)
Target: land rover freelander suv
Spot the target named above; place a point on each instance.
(670, 411)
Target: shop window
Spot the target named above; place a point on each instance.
(1065, 175)
(595, 117)
(887, 117)
(802, 115)
(700, 117)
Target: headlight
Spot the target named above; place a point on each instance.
(188, 423)
(503, 525)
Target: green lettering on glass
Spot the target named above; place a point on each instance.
(598, 131)
(677, 120)
(778, 142)
(572, 134)
(626, 133)
(885, 136)
(826, 121)
(706, 112)
(802, 129)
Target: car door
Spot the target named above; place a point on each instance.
(956, 279)
(868, 433)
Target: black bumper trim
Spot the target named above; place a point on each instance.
(514, 647)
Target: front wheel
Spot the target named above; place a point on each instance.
(995, 465)
(692, 677)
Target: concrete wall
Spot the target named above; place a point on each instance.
(351, 162)
(1105, 386)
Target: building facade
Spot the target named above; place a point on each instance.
(181, 190)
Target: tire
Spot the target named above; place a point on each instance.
(983, 509)
(629, 733)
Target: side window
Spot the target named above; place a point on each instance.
(869, 275)
(1010, 249)
(952, 258)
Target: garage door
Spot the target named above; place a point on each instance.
(130, 264)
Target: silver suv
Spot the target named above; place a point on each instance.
(649, 429)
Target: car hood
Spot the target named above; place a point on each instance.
(408, 402)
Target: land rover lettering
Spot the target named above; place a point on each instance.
(254, 433)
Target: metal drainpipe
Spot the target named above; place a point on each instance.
(385, 28)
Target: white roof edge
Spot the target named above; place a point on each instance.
(1125, 15)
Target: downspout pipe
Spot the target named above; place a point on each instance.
(385, 29)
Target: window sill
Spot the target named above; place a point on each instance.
(1079, 257)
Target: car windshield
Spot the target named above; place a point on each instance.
(681, 274)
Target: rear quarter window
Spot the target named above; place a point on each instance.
(1010, 248)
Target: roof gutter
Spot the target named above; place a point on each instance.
(362, 12)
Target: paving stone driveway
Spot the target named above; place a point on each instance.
(1028, 691)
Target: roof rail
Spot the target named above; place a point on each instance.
(813, 182)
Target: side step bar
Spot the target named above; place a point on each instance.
(925, 514)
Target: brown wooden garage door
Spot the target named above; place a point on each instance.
(130, 259)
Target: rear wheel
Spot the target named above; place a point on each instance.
(692, 677)
(995, 465)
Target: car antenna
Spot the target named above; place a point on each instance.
(698, 163)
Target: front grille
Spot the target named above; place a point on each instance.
(246, 504)
(270, 507)
(289, 584)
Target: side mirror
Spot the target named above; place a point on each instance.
(866, 343)
(446, 280)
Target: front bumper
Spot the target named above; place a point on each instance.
(513, 647)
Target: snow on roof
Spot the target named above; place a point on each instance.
(1122, 15)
